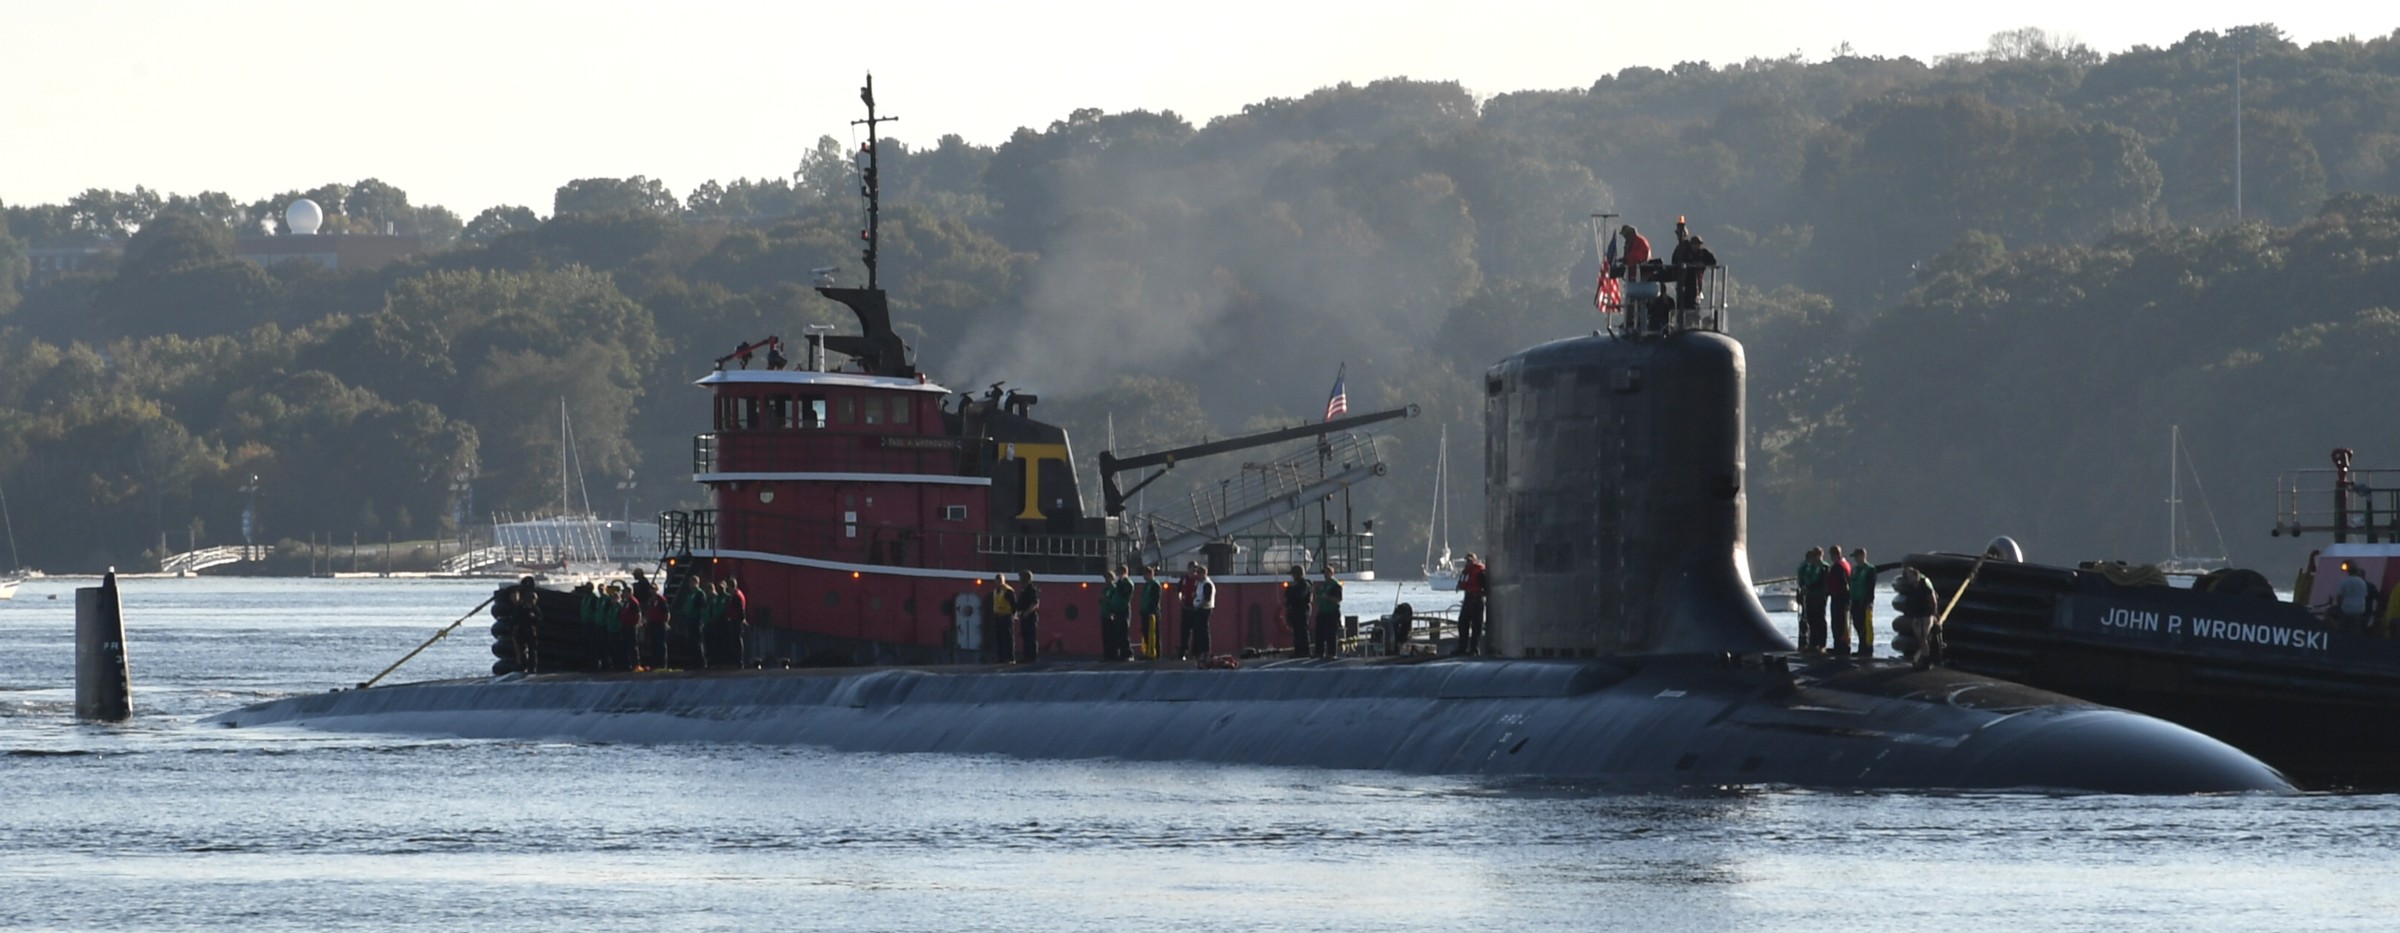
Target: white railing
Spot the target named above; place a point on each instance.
(478, 559)
(190, 562)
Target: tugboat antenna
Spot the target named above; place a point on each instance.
(877, 348)
(868, 183)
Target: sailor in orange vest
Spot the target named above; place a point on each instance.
(1004, 612)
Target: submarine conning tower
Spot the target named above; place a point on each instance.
(1613, 499)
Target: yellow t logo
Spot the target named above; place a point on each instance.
(1033, 455)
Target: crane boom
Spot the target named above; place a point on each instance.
(1111, 464)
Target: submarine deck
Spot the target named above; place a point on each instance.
(1694, 720)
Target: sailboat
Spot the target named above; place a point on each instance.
(572, 546)
(16, 574)
(1440, 573)
(2179, 527)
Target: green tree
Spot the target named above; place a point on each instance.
(14, 267)
(825, 173)
(638, 194)
(496, 222)
(115, 214)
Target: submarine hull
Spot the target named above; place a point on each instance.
(1688, 721)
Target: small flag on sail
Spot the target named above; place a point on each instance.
(1338, 404)
(1609, 296)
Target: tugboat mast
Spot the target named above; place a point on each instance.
(877, 348)
(869, 184)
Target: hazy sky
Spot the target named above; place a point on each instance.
(472, 104)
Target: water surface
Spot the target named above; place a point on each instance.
(167, 824)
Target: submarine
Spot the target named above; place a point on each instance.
(1628, 649)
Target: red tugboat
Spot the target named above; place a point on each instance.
(865, 509)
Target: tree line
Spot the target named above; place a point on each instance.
(1973, 288)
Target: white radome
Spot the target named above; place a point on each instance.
(304, 217)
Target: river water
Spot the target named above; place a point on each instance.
(168, 824)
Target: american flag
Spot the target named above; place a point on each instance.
(1609, 296)
(1338, 404)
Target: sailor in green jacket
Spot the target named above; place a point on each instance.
(1862, 602)
(1116, 604)
(684, 629)
(1811, 580)
(1328, 605)
(599, 614)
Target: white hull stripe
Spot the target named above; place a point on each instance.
(930, 573)
(815, 378)
(925, 478)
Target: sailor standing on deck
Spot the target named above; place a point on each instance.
(1295, 610)
(2352, 599)
(1029, 605)
(1185, 586)
(1116, 606)
(1147, 594)
(629, 621)
(598, 625)
(1328, 602)
(1004, 616)
(1913, 597)
(1691, 260)
(734, 640)
(652, 611)
(1195, 616)
(711, 621)
(1474, 580)
(1862, 601)
(1810, 581)
(1837, 594)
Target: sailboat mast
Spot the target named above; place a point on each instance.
(1443, 493)
(2174, 491)
(11, 525)
(1433, 520)
(563, 443)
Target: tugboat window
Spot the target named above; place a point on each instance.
(845, 410)
(900, 407)
(871, 408)
(812, 412)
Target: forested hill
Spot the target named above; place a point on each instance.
(1976, 292)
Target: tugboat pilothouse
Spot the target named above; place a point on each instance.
(865, 510)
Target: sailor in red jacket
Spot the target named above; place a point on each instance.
(1637, 252)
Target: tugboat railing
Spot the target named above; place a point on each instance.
(683, 533)
(2342, 502)
(782, 450)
